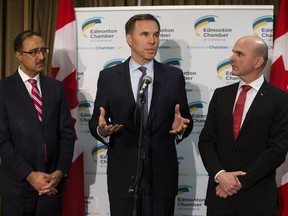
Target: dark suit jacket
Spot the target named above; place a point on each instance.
(114, 93)
(22, 136)
(259, 149)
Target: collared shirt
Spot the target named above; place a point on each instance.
(25, 79)
(135, 75)
(256, 84)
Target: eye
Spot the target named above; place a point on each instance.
(156, 35)
(44, 51)
(34, 52)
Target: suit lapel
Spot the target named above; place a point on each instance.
(158, 88)
(27, 104)
(124, 80)
(45, 91)
(125, 86)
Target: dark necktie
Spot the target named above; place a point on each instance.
(145, 99)
(36, 98)
(238, 111)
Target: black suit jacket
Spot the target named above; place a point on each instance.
(22, 136)
(114, 93)
(259, 149)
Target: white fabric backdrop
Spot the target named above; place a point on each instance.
(197, 39)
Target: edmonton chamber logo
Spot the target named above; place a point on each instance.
(84, 112)
(203, 21)
(89, 23)
(113, 63)
(198, 117)
(224, 69)
(165, 33)
(195, 105)
(98, 154)
(84, 105)
(203, 28)
(91, 29)
(263, 26)
(175, 62)
(183, 189)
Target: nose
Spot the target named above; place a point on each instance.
(41, 55)
(152, 39)
(232, 58)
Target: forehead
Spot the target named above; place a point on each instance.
(33, 42)
(244, 45)
(146, 25)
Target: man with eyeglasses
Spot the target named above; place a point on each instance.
(36, 134)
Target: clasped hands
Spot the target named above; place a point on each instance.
(228, 183)
(178, 126)
(45, 183)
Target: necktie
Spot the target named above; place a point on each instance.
(144, 105)
(238, 111)
(36, 98)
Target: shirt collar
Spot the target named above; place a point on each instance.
(256, 84)
(25, 77)
(134, 65)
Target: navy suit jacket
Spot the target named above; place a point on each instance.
(22, 136)
(260, 148)
(114, 93)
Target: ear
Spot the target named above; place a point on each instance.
(18, 55)
(259, 62)
(128, 39)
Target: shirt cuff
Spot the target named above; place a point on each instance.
(215, 178)
(105, 139)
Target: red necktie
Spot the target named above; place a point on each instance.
(238, 111)
(36, 98)
(145, 107)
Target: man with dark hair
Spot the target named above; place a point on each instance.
(36, 134)
(245, 136)
(116, 123)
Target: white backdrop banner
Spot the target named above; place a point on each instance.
(197, 39)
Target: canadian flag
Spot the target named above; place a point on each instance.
(279, 78)
(64, 64)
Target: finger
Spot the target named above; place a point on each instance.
(102, 121)
(102, 112)
(186, 121)
(54, 190)
(108, 128)
(172, 132)
(116, 128)
(42, 192)
(177, 109)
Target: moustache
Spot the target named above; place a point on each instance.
(41, 62)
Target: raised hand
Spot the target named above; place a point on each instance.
(104, 129)
(180, 123)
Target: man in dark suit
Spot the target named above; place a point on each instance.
(241, 165)
(36, 140)
(116, 123)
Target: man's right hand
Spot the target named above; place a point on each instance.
(104, 129)
(228, 183)
(38, 180)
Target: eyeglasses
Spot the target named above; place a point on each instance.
(36, 52)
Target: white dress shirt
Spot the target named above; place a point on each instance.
(25, 79)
